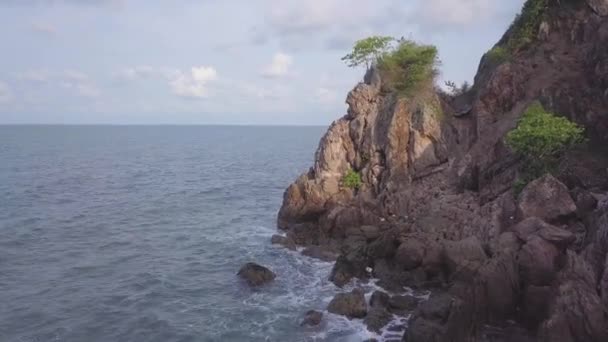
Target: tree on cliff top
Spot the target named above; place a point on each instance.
(368, 51)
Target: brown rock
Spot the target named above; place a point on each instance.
(538, 262)
(351, 305)
(256, 275)
(534, 226)
(463, 258)
(321, 253)
(380, 299)
(546, 198)
(403, 304)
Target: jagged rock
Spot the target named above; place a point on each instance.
(256, 275)
(345, 270)
(312, 318)
(351, 305)
(546, 198)
(576, 312)
(321, 253)
(283, 241)
(304, 234)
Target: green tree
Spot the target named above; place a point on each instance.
(541, 138)
(408, 66)
(368, 51)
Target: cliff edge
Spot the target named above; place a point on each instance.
(435, 207)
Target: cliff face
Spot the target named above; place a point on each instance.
(437, 191)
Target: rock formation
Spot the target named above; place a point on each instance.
(436, 208)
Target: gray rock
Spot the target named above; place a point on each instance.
(312, 318)
(256, 275)
(403, 303)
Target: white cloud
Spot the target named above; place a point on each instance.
(193, 84)
(6, 95)
(279, 67)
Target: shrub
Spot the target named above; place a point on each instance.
(541, 138)
(408, 67)
(352, 180)
(498, 55)
(524, 28)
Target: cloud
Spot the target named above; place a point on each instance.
(6, 95)
(457, 12)
(76, 82)
(193, 84)
(279, 67)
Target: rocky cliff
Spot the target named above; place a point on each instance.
(436, 206)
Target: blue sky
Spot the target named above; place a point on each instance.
(215, 62)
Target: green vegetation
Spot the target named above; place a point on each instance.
(403, 64)
(352, 180)
(368, 51)
(523, 31)
(408, 67)
(541, 138)
(498, 55)
(524, 28)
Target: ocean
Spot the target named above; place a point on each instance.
(135, 233)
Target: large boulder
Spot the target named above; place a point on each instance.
(321, 253)
(463, 258)
(410, 254)
(546, 198)
(351, 305)
(256, 275)
(443, 318)
(538, 261)
(534, 226)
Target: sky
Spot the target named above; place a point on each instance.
(261, 62)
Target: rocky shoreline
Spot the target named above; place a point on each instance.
(437, 210)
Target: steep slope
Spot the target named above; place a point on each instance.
(437, 190)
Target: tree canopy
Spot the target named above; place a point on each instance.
(368, 51)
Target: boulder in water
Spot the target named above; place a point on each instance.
(256, 275)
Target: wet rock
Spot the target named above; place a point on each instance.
(345, 270)
(546, 198)
(379, 299)
(283, 241)
(312, 318)
(443, 318)
(382, 248)
(256, 275)
(351, 305)
(403, 304)
(321, 253)
(377, 318)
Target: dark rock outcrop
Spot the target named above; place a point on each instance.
(351, 305)
(256, 275)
